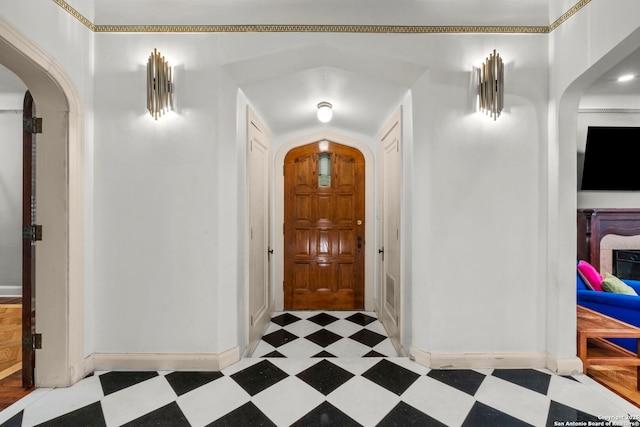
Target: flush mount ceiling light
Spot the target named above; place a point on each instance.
(159, 85)
(491, 86)
(626, 78)
(324, 112)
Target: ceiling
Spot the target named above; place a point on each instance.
(607, 92)
(285, 87)
(324, 12)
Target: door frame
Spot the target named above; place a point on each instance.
(255, 327)
(370, 264)
(60, 255)
(394, 327)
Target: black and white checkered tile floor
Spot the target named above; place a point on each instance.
(324, 369)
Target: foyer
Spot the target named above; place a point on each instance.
(295, 379)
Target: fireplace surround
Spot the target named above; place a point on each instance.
(600, 232)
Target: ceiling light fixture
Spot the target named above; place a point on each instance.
(491, 85)
(324, 112)
(159, 85)
(626, 78)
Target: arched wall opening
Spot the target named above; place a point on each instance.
(59, 256)
(370, 219)
(562, 182)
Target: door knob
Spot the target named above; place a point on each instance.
(381, 252)
(359, 242)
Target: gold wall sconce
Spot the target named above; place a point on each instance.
(159, 85)
(491, 86)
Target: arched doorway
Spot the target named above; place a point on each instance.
(562, 205)
(324, 227)
(59, 256)
(278, 221)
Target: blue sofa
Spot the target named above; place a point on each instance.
(622, 307)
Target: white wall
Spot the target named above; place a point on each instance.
(476, 199)
(487, 208)
(11, 194)
(165, 197)
(169, 195)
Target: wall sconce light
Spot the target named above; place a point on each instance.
(491, 85)
(159, 85)
(323, 145)
(324, 112)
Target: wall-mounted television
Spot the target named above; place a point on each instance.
(612, 159)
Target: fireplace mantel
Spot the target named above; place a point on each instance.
(594, 224)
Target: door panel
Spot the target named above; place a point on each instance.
(390, 210)
(28, 246)
(324, 216)
(259, 287)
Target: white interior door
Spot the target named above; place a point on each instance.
(390, 155)
(259, 286)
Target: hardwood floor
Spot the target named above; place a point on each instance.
(10, 335)
(622, 380)
(11, 352)
(11, 390)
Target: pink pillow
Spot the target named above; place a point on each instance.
(593, 277)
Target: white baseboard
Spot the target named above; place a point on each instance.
(529, 360)
(10, 291)
(163, 361)
(568, 366)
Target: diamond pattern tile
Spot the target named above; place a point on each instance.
(116, 381)
(285, 319)
(406, 415)
(279, 338)
(259, 377)
(529, 378)
(464, 380)
(559, 412)
(326, 414)
(323, 319)
(482, 415)
(368, 337)
(391, 376)
(90, 416)
(246, 415)
(274, 354)
(343, 375)
(323, 337)
(325, 376)
(323, 353)
(184, 382)
(169, 416)
(361, 319)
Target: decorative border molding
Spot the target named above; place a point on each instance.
(568, 14)
(80, 17)
(370, 29)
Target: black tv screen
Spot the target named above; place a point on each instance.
(612, 159)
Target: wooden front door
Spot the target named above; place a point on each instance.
(324, 227)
